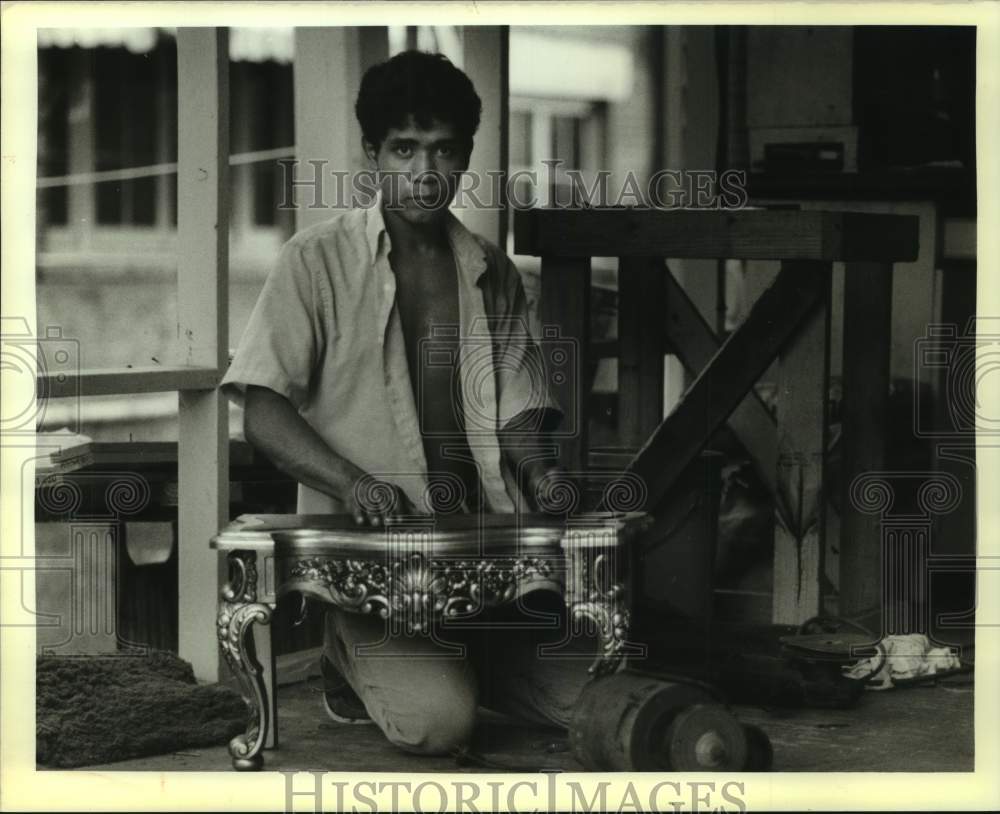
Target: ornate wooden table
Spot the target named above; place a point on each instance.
(415, 572)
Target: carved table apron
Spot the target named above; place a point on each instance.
(413, 572)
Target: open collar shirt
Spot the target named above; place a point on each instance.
(326, 334)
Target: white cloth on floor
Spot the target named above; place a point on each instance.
(907, 656)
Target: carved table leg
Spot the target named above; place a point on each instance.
(238, 611)
(594, 593)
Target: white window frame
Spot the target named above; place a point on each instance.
(202, 330)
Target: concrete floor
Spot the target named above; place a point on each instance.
(918, 729)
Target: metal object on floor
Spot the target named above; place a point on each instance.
(706, 738)
(632, 723)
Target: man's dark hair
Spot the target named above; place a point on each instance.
(419, 84)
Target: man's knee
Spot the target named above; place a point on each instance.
(437, 727)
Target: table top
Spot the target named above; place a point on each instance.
(460, 534)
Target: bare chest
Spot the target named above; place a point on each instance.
(427, 301)
(427, 298)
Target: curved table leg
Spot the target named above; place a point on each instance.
(593, 594)
(238, 611)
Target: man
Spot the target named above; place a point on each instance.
(389, 351)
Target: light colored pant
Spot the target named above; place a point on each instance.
(424, 697)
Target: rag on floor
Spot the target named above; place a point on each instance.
(907, 656)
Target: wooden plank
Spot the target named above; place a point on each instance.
(374, 45)
(121, 381)
(641, 306)
(691, 339)
(203, 328)
(327, 135)
(565, 306)
(748, 234)
(486, 61)
(803, 384)
(152, 453)
(867, 344)
(722, 385)
(329, 64)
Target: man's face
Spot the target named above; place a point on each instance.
(419, 170)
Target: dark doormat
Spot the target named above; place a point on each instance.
(101, 709)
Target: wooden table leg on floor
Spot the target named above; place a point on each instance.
(238, 611)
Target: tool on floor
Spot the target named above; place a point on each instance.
(635, 722)
(776, 665)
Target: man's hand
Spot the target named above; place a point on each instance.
(372, 501)
(275, 427)
(525, 444)
(551, 490)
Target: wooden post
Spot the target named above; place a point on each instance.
(243, 104)
(641, 307)
(327, 136)
(202, 328)
(565, 306)
(486, 51)
(374, 45)
(329, 64)
(799, 518)
(867, 344)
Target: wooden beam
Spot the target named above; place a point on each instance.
(327, 135)
(749, 235)
(641, 306)
(121, 381)
(723, 384)
(486, 61)
(803, 385)
(867, 344)
(565, 308)
(203, 331)
(690, 338)
(374, 43)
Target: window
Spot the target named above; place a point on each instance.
(131, 130)
(54, 91)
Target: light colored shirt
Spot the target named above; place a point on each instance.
(326, 334)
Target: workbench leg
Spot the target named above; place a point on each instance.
(867, 343)
(565, 316)
(641, 308)
(238, 611)
(799, 528)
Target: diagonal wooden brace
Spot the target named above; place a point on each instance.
(795, 293)
(694, 343)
